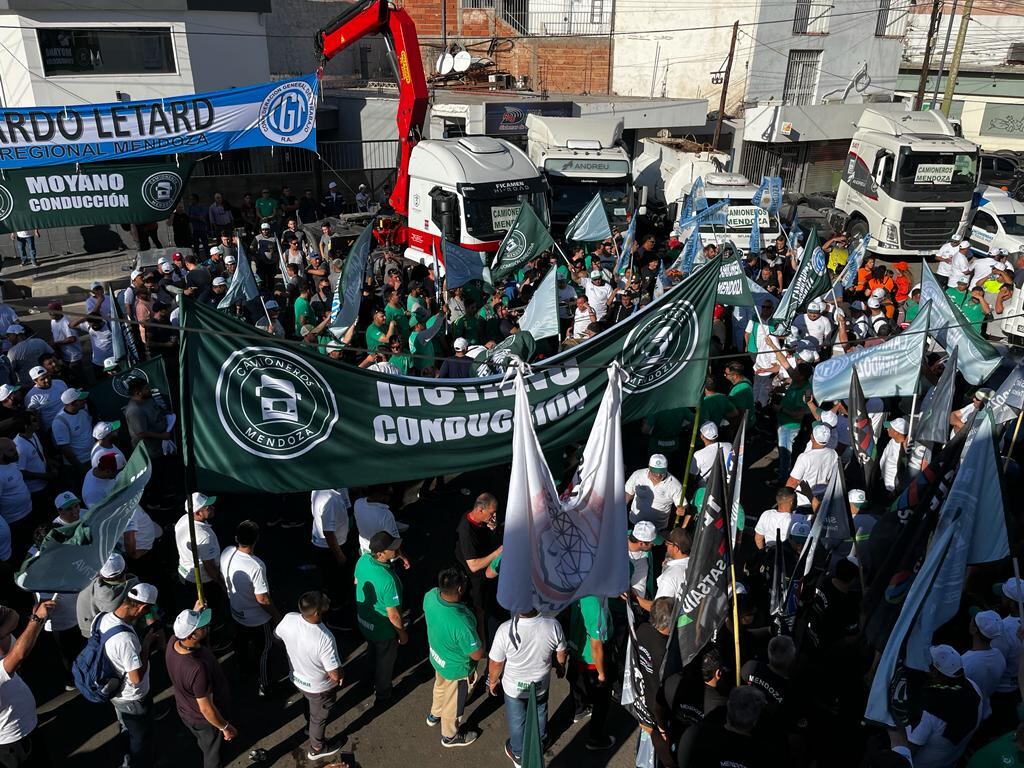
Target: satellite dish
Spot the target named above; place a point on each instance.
(446, 64)
(462, 61)
(437, 63)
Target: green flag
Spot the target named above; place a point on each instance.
(70, 556)
(810, 281)
(525, 239)
(257, 404)
(533, 751)
(591, 224)
(732, 283)
(345, 304)
(109, 397)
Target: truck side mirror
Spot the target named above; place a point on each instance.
(444, 212)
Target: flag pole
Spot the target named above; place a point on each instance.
(1013, 441)
(735, 617)
(693, 443)
(186, 450)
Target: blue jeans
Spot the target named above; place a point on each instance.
(26, 249)
(787, 435)
(515, 714)
(136, 719)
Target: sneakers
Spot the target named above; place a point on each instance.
(509, 754)
(582, 715)
(432, 721)
(324, 751)
(600, 744)
(461, 739)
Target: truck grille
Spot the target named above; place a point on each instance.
(926, 230)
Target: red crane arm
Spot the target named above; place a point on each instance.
(372, 17)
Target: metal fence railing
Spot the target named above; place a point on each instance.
(337, 155)
(554, 17)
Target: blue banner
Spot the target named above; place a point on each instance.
(281, 114)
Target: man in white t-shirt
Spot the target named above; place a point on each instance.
(813, 469)
(372, 515)
(654, 494)
(781, 518)
(960, 264)
(103, 433)
(331, 524)
(958, 419)
(895, 451)
(65, 340)
(597, 291)
(44, 397)
(704, 459)
(950, 712)
(673, 570)
(129, 657)
(983, 664)
(15, 499)
(582, 317)
(208, 551)
(100, 479)
(521, 654)
(252, 610)
(944, 258)
(315, 666)
(814, 325)
(18, 717)
(72, 431)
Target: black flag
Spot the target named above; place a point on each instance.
(862, 433)
(933, 426)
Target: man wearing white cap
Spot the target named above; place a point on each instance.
(641, 539)
(951, 712)
(273, 325)
(960, 264)
(704, 459)
(72, 431)
(207, 545)
(653, 494)
(1008, 642)
(813, 469)
(815, 325)
(894, 455)
(944, 258)
(97, 302)
(959, 418)
(45, 396)
(99, 480)
(983, 664)
(200, 687)
(103, 433)
(598, 292)
(24, 353)
(678, 543)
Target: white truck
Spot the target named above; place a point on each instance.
(908, 180)
(581, 157)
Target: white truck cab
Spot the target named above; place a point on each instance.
(908, 180)
(581, 157)
(737, 219)
(998, 222)
(453, 193)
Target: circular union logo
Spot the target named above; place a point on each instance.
(273, 403)
(6, 203)
(161, 190)
(818, 261)
(658, 348)
(121, 381)
(286, 116)
(515, 244)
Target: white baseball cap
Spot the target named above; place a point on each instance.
(1013, 589)
(105, 428)
(188, 622)
(874, 303)
(335, 346)
(815, 306)
(271, 304)
(166, 267)
(6, 390)
(66, 499)
(806, 355)
(143, 593)
(38, 372)
(460, 345)
(709, 430)
(200, 500)
(799, 529)
(214, 250)
(856, 496)
(962, 278)
(658, 463)
(879, 293)
(332, 184)
(821, 433)
(222, 281)
(229, 259)
(645, 531)
(14, 329)
(136, 273)
(264, 225)
(113, 566)
(898, 425)
(69, 396)
(989, 623)
(596, 274)
(965, 244)
(110, 364)
(830, 418)
(946, 660)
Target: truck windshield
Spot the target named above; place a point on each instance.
(570, 197)
(491, 218)
(937, 168)
(1013, 223)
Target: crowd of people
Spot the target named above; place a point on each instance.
(802, 682)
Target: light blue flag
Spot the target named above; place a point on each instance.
(541, 315)
(977, 357)
(1009, 398)
(880, 699)
(890, 369)
(627, 245)
(794, 230)
(461, 265)
(243, 283)
(688, 257)
(760, 295)
(348, 294)
(713, 214)
(755, 235)
(591, 224)
(853, 262)
(698, 195)
(768, 196)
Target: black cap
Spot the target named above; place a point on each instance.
(382, 541)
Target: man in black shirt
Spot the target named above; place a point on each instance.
(458, 367)
(733, 744)
(478, 543)
(650, 708)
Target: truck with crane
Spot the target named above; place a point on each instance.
(466, 190)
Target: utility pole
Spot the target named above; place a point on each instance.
(945, 52)
(933, 31)
(725, 84)
(954, 64)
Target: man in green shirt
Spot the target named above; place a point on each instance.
(742, 393)
(266, 207)
(791, 411)
(379, 609)
(589, 678)
(975, 309)
(378, 332)
(912, 306)
(715, 407)
(303, 314)
(454, 651)
(959, 293)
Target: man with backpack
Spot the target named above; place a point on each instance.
(114, 667)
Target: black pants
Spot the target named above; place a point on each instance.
(385, 654)
(319, 705)
(69, 644)
(136, 718)
(335, 578)
(253, 647)
(588, 692)
(22, 754)
(209, 740)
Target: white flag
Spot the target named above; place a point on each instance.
(541, 315)
(556, 552)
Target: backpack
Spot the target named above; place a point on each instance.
(94, 675)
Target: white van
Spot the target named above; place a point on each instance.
(997, 223)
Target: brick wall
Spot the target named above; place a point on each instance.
(557, 64)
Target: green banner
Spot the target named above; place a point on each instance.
(732, 283)
(109, 397)
(70, 556)
(811, 280)
(266, 415)
(527, 238)
(100, 193)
